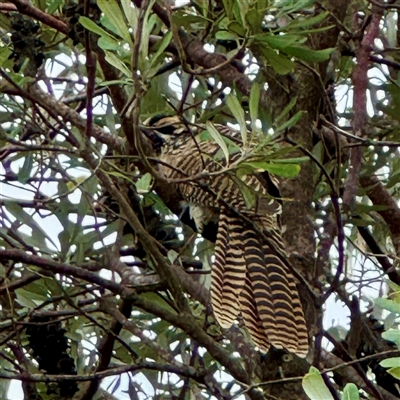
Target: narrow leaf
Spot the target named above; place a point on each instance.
(253, 103)
(131, 13)
(105, 43)
(112, 59)
(294, 160)
(161, 47)
(113, 13)
(238, 112)
(279, 42)
(291, 122)
(93, 27)
(279, 62)
(283, 170)
(219, 139)
(307, 22)
(25, 172)
(306, 54)
(286, 110)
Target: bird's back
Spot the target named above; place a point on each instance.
(251, 276)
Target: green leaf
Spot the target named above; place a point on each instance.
(240, 8)
(314, 30)
(394, 372)
(112, 59)
(154, 100)
(121, 175)
(366, 208)
(390, 362)
(290, 6)
(392, 335)
(131, 13)
(113, 13)
(286, 110)
(143, 184)
(238, 112)
(291, 122)
(314, 386)
(350, 392)
(4, 54)
(236, 28)
(306, 54)
(24, 298)
(254, 19)
(254, 101)
(219, 139)
(228, 6)
(278, 42)
(25, 172)
(387, 304)
(151, 199)
(23, 217)
(283, 170)
(225, 35)
(93, 27)
(156, 58)
(393, 286)
(306, 22)
(393, 179)
(106, 43)
(37, 290)
(247, 193)
(157, 300)
(172, 256)
(149, 24)
(115, 82)
(279, 62)
(293, 160)
(54, 6)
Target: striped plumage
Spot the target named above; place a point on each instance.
(249, 276)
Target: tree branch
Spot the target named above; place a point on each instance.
(379, 195)
(360, 82)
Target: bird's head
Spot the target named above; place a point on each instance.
(165, 131)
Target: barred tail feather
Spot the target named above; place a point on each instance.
(254, 265)
(302, 331)
(228, 272)
(285, 334)
(250, 279)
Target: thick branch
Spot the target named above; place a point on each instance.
(360, 82)
(26, 8)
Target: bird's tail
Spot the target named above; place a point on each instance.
(250, 279)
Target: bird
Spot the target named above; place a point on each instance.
(251, 276)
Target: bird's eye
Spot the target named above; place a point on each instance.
(166, 129)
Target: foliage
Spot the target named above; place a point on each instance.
(102, 284)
